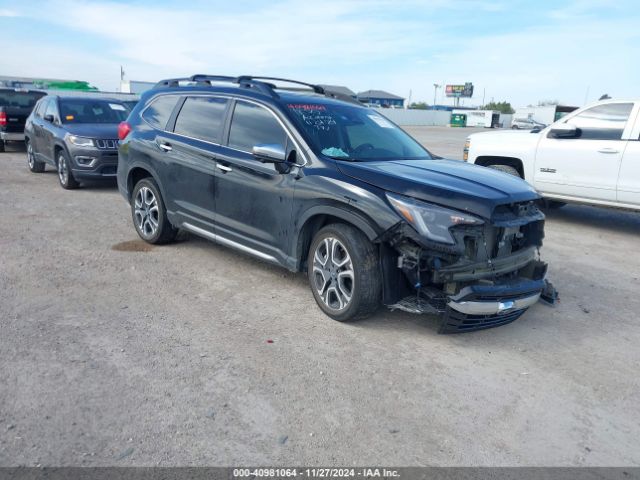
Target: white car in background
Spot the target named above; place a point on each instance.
(591, 155)
(526, 124)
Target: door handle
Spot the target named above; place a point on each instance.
(165, 146)
(608, 150)
(224, 168)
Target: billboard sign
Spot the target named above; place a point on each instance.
(458, 91)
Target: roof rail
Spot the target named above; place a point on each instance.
(259, 83)
(315, 88)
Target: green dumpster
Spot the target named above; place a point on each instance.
(458, 120)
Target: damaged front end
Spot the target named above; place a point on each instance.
(480, 273)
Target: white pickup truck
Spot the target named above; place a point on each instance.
(591, 155)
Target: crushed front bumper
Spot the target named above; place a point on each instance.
(477, 307)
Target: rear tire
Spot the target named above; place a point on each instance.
(65, 175)
(506, 169)
(149, 213)
(34, 165)
(344, 273)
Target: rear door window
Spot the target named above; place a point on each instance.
(202, 118)
(18, 99)
(254, 125)
(157, 114)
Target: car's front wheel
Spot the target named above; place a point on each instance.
(34, 165)
(149, 213)
(65, 175)
(344, 273)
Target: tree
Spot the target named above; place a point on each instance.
(419, 106)
(502, 107)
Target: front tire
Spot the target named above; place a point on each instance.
(65, 175)
(34, 165)
(149, 213)
(344, 273)
(506, 169)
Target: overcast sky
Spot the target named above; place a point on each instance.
(519, 51)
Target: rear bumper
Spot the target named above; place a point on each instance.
(12, 136)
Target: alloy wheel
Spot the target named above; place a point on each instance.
(63, 171)
(333, 274)
(146, 212)
(30, 156)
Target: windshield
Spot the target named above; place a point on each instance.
(353, 133)
(19, 99)
(92, 111)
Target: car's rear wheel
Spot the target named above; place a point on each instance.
(34, 165)
(65, 175)
(506, 169)
(344, 273)
(514, 127)
(149, 213)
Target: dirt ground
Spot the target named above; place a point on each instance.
(113, 352)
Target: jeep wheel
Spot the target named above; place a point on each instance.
(149, 214)
(506, 169)
(344, 273)
(34, 165)
(67, 180)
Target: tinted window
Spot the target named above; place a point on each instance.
(91, 110)
(10, 98)
(157, 114)
(603, 122)
(253, 125)
(41, 107)
(202, 118)
(51, 109)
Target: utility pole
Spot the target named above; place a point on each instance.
(435, 92)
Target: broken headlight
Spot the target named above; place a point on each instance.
(431, 221)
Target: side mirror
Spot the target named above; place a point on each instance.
(269, 153)
(49, 118)
(564, 130)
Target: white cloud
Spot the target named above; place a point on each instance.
(8, 13)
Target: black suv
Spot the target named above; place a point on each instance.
(76, 135)
(316, 182)
(15, 106)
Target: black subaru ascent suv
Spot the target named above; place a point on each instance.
(313, 181)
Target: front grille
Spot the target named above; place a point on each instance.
(107, 144)
(457, 322)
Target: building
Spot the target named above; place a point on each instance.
(135, 86)
(340, 90)
(381, 98)
(546, 114)
(45, 83)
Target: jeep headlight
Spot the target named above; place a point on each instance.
(431, 221)
(81, 141)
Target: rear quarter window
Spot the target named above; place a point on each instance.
(159, 111)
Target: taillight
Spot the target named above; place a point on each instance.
(124, 129)
(3, 119)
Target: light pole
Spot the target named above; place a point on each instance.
(435, 92)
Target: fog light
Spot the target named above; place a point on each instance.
(86, 161)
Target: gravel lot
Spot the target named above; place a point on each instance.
(114, 352)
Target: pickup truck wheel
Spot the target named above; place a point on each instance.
(65, 175)
(149, 214)
(34, 165)
(506, 169)
(344, 273)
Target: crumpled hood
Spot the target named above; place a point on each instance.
(450, 183)
(103, 131)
